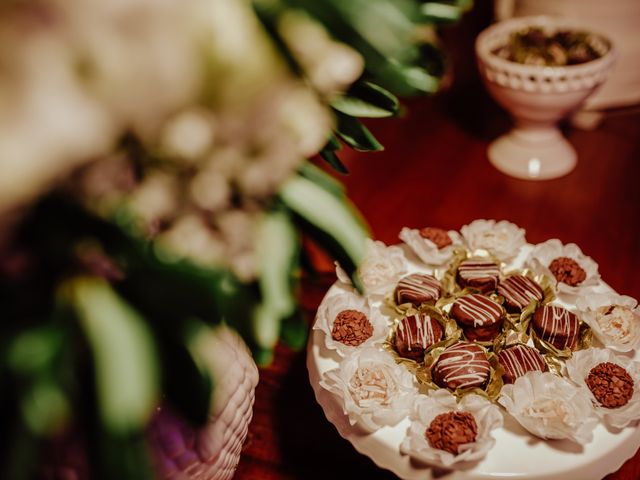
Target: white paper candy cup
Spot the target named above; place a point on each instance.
(374, 390)
(578, 369)
(348, 300)
(618, 330)
(544, 253)
(380, 270)
(501, 239)
(426, 250)
(486, 415)
(550, 407)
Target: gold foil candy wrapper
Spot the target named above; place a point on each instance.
(585, 340)
(490, 392)
(553, 363)
(451, 334)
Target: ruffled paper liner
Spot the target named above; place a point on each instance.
(451, 335)
(588, 307)
(585, 340)
(491, 391)
(578, 369)
(487, 416)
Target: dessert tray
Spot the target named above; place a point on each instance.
(523, 429)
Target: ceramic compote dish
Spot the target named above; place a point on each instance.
(538, 96)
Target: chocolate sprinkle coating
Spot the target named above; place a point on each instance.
(437, 235)
(450, 430)
(351, 327)
(567, 270)
(610, 384)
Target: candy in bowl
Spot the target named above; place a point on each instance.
(540, 69)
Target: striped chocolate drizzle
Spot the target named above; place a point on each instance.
(558, 322)
(417, 288)
(521, 359)
(481, 309)
(520, 290)
(425, 336)
(471, 269)
(463, 365)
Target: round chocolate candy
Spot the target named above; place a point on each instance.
(438, 236)
(567, 270)
(351, 327)
(415, 334)
(449, 430)
(480, 274)
(518, 360)
(518, 292)
(418, 288)
(479, 317)
(557, 326)
(462, 365)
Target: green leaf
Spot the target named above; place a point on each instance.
(294, 331)
(356, 135)
(440, 13)
(125, 357)
(34, 350)
(44, 406)
(331, 220)
(322, 179)
(332, 159)
(333, 144)
(366, 99)
(277, 249)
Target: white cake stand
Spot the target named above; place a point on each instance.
(516, 454)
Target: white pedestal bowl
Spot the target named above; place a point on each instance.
(537, 97)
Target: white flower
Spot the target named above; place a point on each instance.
(614, 319)
(578, 369)
(380, 270)
(342, 302)
(428, 251)
(550, 407)
(486, 415)
(375, 390)
(502, 239)
(544, 253)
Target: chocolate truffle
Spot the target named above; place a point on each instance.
(479, 317)
(480, 274)
(557, 326)
(416, 333)
(618, 322)
(518, 360)
(351, 327)
(450, 430)
(418, 288)
(438, 236)
(462, 365)
(610, 384)
(519, 291)
(567, 270)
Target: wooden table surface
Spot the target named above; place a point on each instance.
(435, 172)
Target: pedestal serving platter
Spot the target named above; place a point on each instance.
(516, 453)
